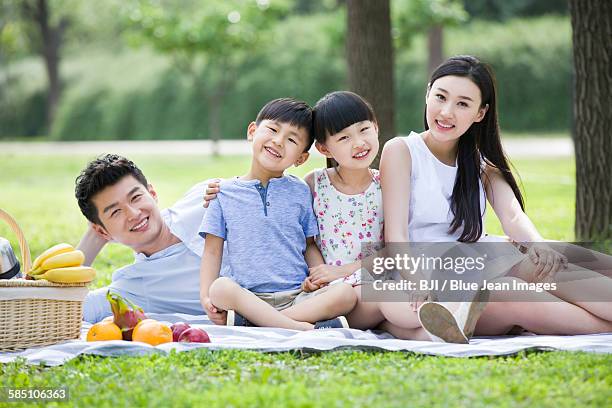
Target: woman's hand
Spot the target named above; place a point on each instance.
(548, 261)
(323, 274)
(214, 186)
(417, 298)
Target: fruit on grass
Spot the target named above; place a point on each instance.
(54, 250)
(194, 335)
(178, 329)
(73, 274)
(126, 314)
(104, 330)
(71, 258)
(152, 332)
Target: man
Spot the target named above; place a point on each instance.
(121, 206)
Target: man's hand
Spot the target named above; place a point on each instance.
(215, 315)
(308, 286)
(323, 274)
(211, 191)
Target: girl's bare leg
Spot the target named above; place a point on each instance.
(417, 333)
(365, 315)
(403, 321)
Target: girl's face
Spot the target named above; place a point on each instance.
(354, 147)
(453, 104)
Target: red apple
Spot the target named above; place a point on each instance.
(178, 329)
(194, 335)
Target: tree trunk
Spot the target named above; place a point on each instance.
(370, 61)
(435, 41)
(592, 46)
(51, 43)
(215, 102)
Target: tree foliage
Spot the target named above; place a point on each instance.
(411, 17)
(213, 38)
(503, 9)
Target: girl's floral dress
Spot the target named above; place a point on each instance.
(350, 226)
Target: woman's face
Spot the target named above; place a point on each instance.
(453, 104)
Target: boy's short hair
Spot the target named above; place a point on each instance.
(289, 110)
(100, 173)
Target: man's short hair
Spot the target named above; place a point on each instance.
(100, 173)
(289, 110)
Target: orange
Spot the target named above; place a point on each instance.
(104, 330)
(152, 332)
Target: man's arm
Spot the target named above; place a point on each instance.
(95, 306)
(91, 244)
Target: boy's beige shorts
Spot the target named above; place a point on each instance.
(288, 298)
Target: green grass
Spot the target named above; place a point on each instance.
(38, 192)
(239, 378)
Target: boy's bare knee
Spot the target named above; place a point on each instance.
(221, 291)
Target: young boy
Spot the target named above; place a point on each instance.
(267, 223)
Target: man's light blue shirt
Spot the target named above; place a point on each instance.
(168, 281)
(265, 231)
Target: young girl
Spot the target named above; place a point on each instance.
(436, 185)
(347, 202)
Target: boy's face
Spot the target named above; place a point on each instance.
(277, 145)
(129, 214)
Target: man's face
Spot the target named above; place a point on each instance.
(129, 214)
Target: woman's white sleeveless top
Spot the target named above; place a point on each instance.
(431, 188)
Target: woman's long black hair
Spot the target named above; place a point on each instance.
(480, 142)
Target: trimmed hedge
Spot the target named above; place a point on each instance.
(140, 95)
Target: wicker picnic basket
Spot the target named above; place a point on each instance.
(37, 312)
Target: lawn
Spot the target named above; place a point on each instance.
(38, 192)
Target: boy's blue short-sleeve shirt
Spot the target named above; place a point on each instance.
(265, 229)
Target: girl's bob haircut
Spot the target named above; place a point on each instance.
(338, 110)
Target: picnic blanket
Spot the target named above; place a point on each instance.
(277, 340)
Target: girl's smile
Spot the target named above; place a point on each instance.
(361, 155)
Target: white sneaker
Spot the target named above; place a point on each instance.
(440, 324)
(452, 322)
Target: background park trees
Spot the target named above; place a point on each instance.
(136, 69)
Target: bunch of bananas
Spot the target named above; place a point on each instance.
(62, 264)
